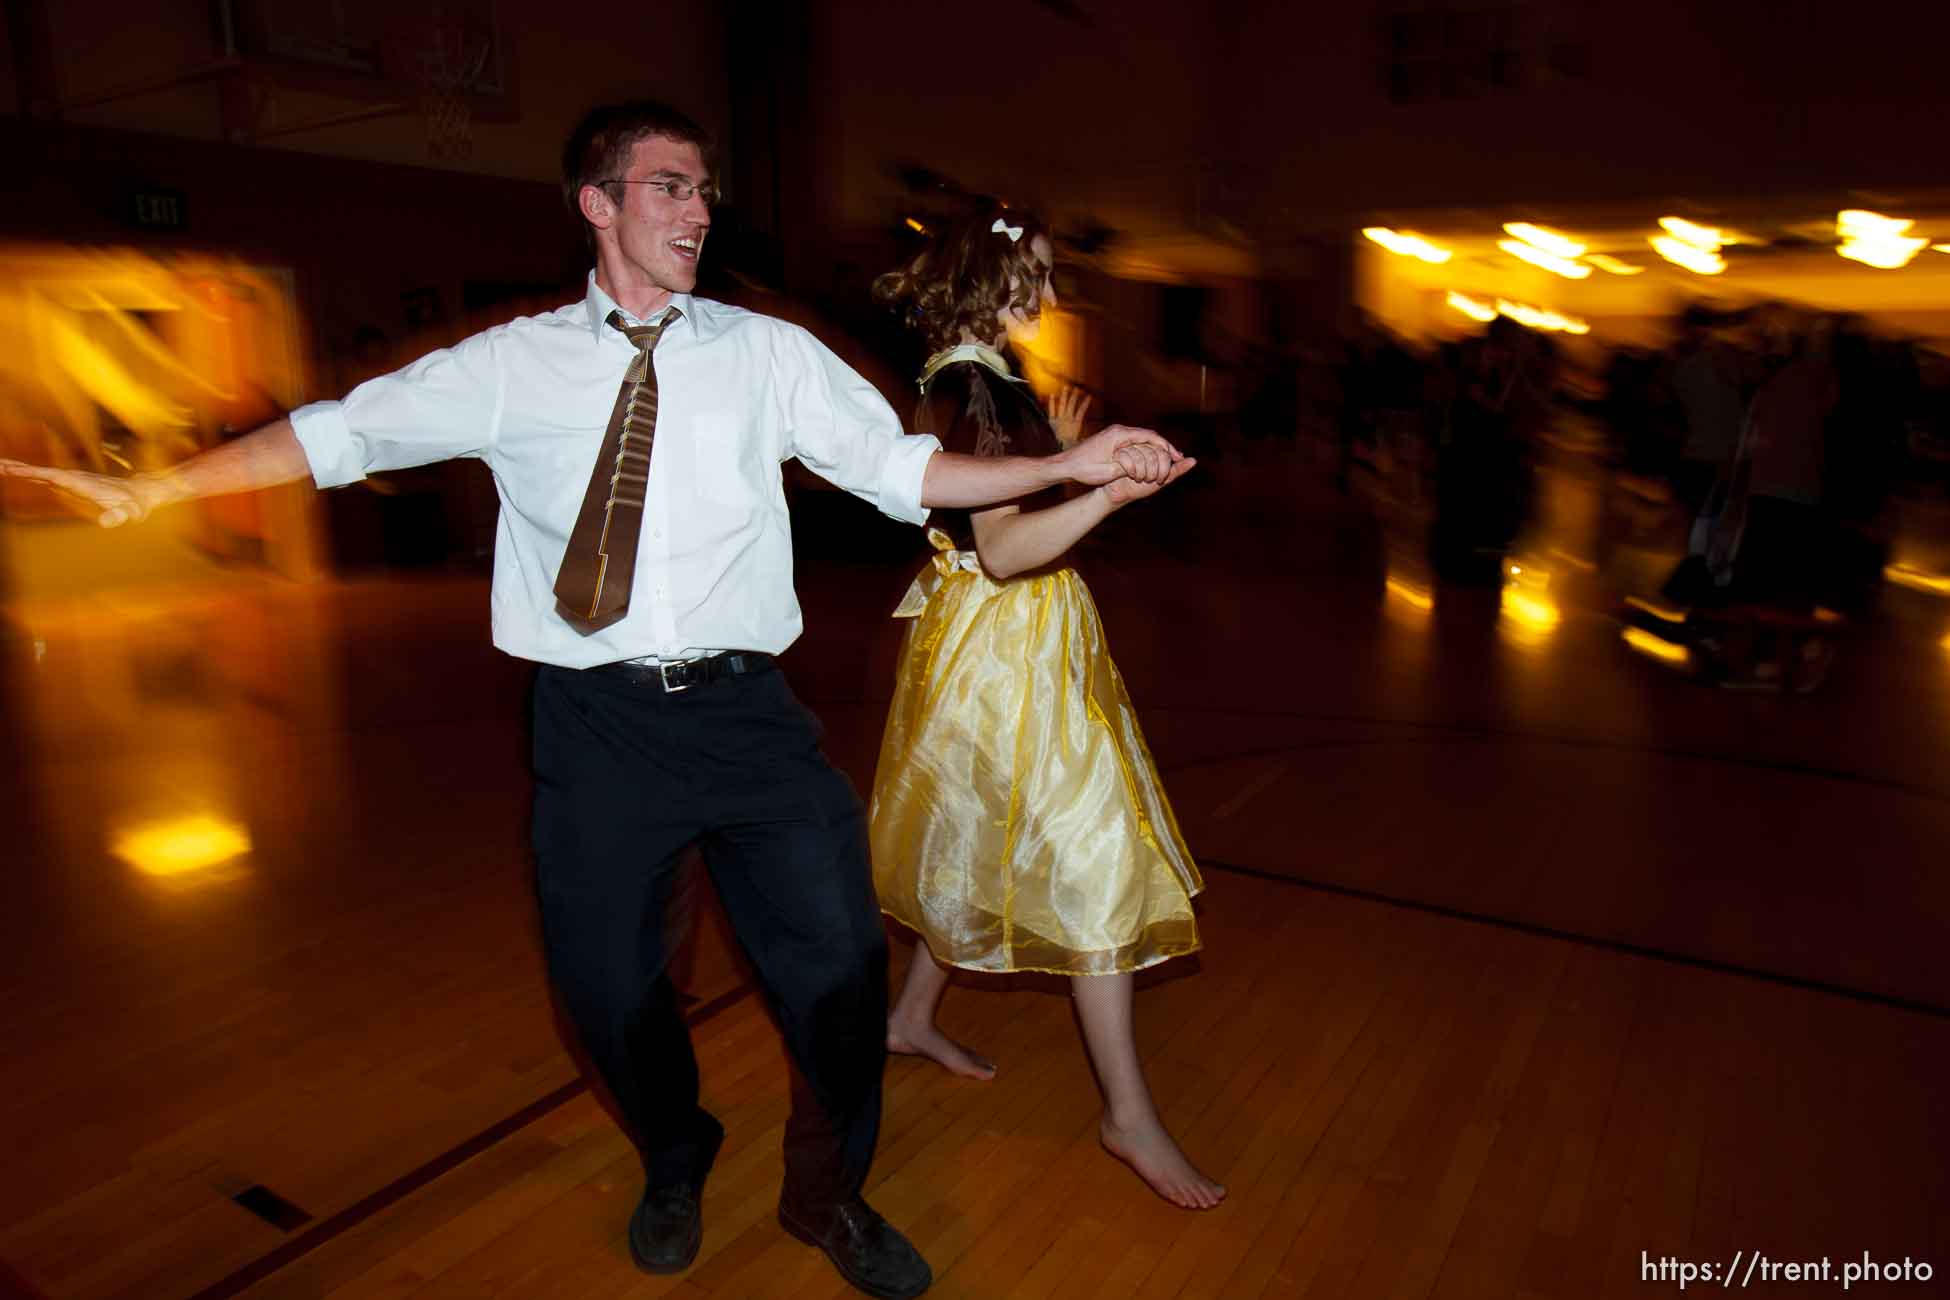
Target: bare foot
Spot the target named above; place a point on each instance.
(1158, 1161)
(929, 1041)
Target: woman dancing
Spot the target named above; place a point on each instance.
(1017, 819)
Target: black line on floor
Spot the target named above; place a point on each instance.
(407, 1184)
(1462, 732)
(272, 1208)
(1666, 955)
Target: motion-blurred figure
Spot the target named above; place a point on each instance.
(1768, 605)
(1018, 821)
(1502, 393)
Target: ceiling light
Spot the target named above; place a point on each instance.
(1605, 262)
(1549, 261)
(1551, 241)
(1407, 245)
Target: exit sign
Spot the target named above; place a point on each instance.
(158, 209)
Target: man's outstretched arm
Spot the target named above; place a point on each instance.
(955, 480)
(264, 458)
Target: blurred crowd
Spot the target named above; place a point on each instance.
(1762, 447)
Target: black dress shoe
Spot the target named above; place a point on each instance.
(668, 1225)
(865, 1248)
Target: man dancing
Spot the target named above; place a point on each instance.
(653, 590)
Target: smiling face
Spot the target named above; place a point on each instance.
(647, 243)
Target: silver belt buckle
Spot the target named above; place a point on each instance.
(663, 672)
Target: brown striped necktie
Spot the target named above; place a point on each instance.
(593, 583)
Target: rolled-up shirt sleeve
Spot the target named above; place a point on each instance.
(445, 405)
(841, 428)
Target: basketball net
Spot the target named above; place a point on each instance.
(451, 64)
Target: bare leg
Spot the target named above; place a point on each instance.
(911, 1030)
(1130, 1128)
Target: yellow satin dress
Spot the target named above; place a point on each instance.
(1018, 822)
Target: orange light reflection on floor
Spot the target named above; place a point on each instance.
(183, 846)
(1657, 608)
(1656, 647)
(1904, 575)
(1419, 599)
(1526, 610)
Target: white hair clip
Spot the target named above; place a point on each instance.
(1002, 227)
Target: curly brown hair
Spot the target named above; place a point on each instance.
(967, 276)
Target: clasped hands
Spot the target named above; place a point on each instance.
(1127, 463)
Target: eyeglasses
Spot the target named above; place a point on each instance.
(675, 188)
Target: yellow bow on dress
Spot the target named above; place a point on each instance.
(944, 563)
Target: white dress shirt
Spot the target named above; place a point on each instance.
(737, 395)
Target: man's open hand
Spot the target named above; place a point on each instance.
(113, 501)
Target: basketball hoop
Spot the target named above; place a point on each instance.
(451, 64)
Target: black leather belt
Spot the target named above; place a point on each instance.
(681, 675)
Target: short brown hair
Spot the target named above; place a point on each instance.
(599, 147)
(967, 275)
